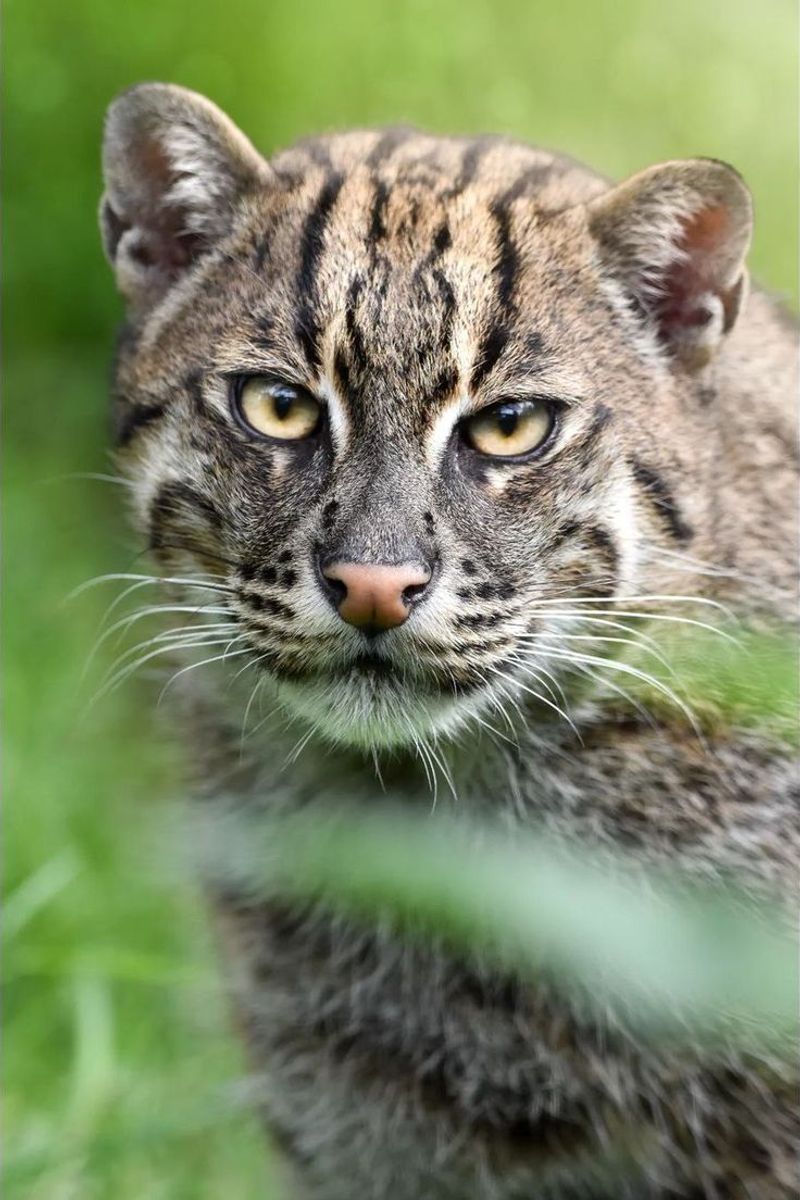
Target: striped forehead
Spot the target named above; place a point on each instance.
(399, 295)
(393, 280)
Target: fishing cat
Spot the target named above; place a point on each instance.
(412, 422)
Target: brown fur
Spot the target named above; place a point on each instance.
(407, 280)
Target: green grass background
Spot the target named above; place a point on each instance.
(119, 1071)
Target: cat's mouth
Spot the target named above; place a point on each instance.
(370, 666)
(374, 701)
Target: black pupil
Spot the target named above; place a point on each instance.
(507, 418)
(283, 401)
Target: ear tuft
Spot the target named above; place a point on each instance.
(175, 168)
(676, 237)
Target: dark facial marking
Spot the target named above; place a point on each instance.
(562, 534)
(469, 167)
(603, 542)
(128, 419)
(479, 620)
(448, 298)
(660, 495)
(341, 371)
(312, 241)
(507, 260)
(534, 177)
(444, 386)
(491, 348)
(329, 514)
(377, 222)
(505, 272)
(358, 352)
(267, 604)
(442, 239)
(386, 145)
(178, 504)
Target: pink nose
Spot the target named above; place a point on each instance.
(376, 596)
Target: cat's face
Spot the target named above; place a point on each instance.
(395, 395)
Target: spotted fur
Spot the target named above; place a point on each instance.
(407, 281)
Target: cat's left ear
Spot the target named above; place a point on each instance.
(675, 237)
(175, 168)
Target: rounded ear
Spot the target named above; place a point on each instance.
(174, 168)
(675, 238)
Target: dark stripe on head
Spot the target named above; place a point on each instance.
(442, 240)
(377, 221)
(386, 145)
(529, 180)
(660, 495)
(318, 153)
(505, 272)
(507, 261)
(491, 348)
(358, 350)
(469, 166)
(341, 371)
(448, 296)
(129, 419)
(307, 327)
(444, 386)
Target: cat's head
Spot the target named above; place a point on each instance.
(415, 404)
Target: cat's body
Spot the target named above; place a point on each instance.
(410, 285)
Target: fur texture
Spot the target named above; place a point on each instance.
(406, 282)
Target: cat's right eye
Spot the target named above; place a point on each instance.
(273, 408)
(511, 428)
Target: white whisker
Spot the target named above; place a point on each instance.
(227, 653)
(627, 669)
(536, 695)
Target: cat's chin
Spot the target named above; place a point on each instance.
(369, 713)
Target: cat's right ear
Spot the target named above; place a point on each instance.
(175, 168)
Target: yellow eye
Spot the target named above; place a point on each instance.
(277, 410)
(510, 428)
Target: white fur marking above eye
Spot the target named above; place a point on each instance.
(443, 427)
(340, 428)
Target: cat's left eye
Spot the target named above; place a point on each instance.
(276, 409)
(511, 428)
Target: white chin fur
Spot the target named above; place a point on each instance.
(374, 714)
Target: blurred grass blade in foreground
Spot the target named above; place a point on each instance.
(684, 959)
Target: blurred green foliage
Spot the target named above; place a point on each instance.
(116, 1048)
(681, 960)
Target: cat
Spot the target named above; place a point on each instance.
(415, 424)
